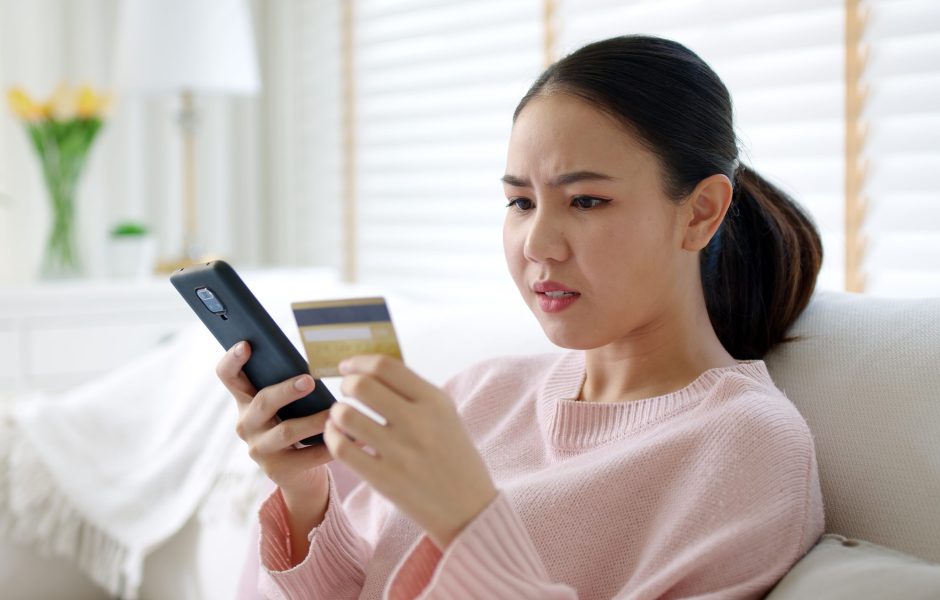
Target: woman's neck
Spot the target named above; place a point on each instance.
(665, 356)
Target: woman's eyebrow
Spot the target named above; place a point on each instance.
(564, 179)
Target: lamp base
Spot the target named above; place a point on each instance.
(165, 267)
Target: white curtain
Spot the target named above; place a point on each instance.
(134, 169)
(304, 153)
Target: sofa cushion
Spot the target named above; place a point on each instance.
(865, 377)
(846, 569)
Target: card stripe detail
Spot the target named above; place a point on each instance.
(368, 313)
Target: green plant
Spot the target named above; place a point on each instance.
(129, 228)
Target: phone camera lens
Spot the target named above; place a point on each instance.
(210, 301)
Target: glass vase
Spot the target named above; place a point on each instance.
(61, 259)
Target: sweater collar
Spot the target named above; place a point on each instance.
(570, 424)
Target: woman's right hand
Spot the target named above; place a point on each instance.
(299, 472)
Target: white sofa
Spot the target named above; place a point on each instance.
(864, 374)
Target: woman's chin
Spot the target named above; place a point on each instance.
(564, 337)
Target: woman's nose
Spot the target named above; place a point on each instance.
(545, 241)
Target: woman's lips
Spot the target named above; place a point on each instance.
(556, 304)
(554, 296)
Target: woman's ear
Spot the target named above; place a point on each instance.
(705, 210)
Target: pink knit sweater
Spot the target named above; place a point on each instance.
(707, 492)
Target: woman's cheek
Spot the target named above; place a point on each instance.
(513, 240)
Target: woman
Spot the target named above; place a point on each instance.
(656, 459)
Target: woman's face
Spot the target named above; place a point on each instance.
(589, 212)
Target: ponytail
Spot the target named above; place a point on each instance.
(759, 270)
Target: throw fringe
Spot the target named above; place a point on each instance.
(33, 511)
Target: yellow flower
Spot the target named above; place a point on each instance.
(61, 105)
(90, 103)
(23, 106)
(66, 103)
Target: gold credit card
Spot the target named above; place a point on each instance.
(333, 330)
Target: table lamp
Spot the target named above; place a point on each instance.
(185, 48)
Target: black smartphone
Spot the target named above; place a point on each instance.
(224, 303)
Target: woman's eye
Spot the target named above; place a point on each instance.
(588, 202)
(520, 204)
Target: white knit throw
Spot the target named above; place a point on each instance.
(105, 472)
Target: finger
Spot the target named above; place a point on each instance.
(376, 395)
(281, 436)
(360, 427)
(271, 399)
(391, 372)
(229, 370)
(348, 452)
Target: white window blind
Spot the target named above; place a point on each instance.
(782, 62)
(436, 83)
(903, 147)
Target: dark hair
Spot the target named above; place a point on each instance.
(759, 269)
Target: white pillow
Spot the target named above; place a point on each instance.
(846, 569)
(866, 378)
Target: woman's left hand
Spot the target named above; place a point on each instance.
(423, 461)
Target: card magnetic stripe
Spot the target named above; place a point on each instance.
(366, 313)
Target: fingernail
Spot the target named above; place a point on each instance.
(302, 384)
(239, 349)
(344, 366)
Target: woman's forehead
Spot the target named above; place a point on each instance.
(559, 133)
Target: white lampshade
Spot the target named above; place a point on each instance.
(202, 46)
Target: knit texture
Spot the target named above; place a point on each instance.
(707, 492)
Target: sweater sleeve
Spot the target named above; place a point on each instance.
(335, 564)
(496, 544)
